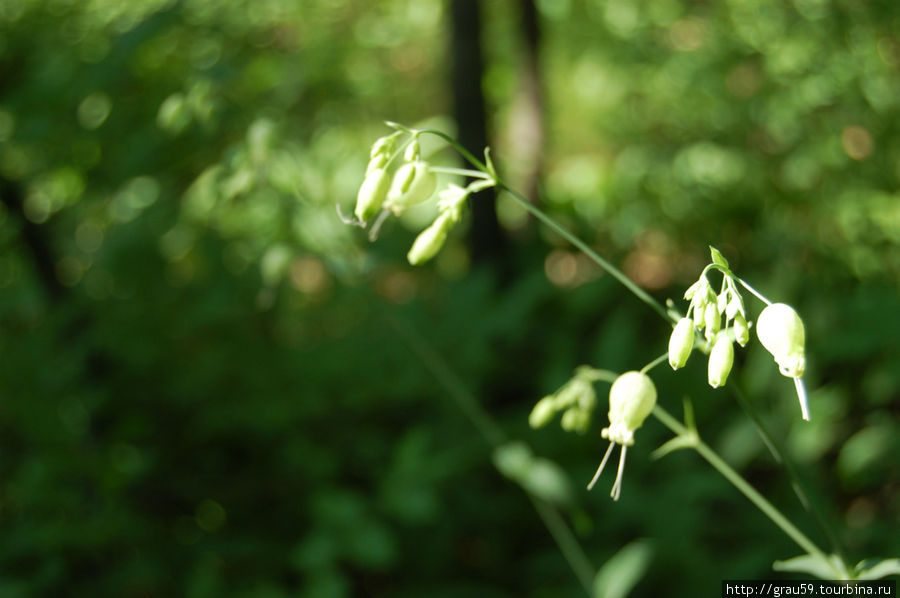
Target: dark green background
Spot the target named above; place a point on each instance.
(207, 386)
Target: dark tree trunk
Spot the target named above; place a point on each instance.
(486, 239)
(530, 127)
(34, 239)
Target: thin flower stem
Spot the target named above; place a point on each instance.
(475, 174)
(566, 542)
(655, 363)
(593, 255)
(494, 436)
(788, 465)
(744, 283)
(758, 295)
(740, 483)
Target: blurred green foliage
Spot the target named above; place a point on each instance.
(212, 398)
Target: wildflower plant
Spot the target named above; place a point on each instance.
(714, 322)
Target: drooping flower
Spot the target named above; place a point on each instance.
(781, 332)
(631, 399)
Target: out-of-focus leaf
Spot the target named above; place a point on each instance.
(832, 568)
(877, 569)
(618, 576)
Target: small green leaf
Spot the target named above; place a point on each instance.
(830, 568)
(489, 164)
(618, 576)
(877, 568)
(717, 257)
(675, 444)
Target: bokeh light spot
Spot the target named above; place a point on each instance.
(857, 142)
(94, 110)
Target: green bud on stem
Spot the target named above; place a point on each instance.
(372, 194)
(721, 358)
(429, 241)
(542, 413)
(681, 343)
(413, 183)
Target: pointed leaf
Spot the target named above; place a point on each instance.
(489, 164)
(675, 444)
(876, 568)
(717, 257)
(831, 568)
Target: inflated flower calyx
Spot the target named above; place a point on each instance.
(781, 332)
(430, 240)
(681, 343)
(413, 183)
(721, 358)
(631, 399)
(372, 194)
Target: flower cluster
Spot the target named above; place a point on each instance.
(413, 182)
(576, 400)
(779, 329)
(705, 314)
(631, 399)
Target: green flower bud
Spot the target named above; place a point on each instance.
(681, 343)
(575, 391)
(383, 146)
(377, 162)
(413, 183)
(699, 311)
(741, 330)
(721, 358)
(429, 241)
(631, 399)
(542, 413)
(575, 420)
(372, 194)
(412, 152)
(781, 332)
(711, 319)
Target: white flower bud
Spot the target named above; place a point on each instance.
(699, 311)
(372, 194)
(781, 332)
(681, 343)
(379, 161)
(711, 319)
(413, 151)
(383, 146)
(413, 183)
(429, 241)
(721, 358)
